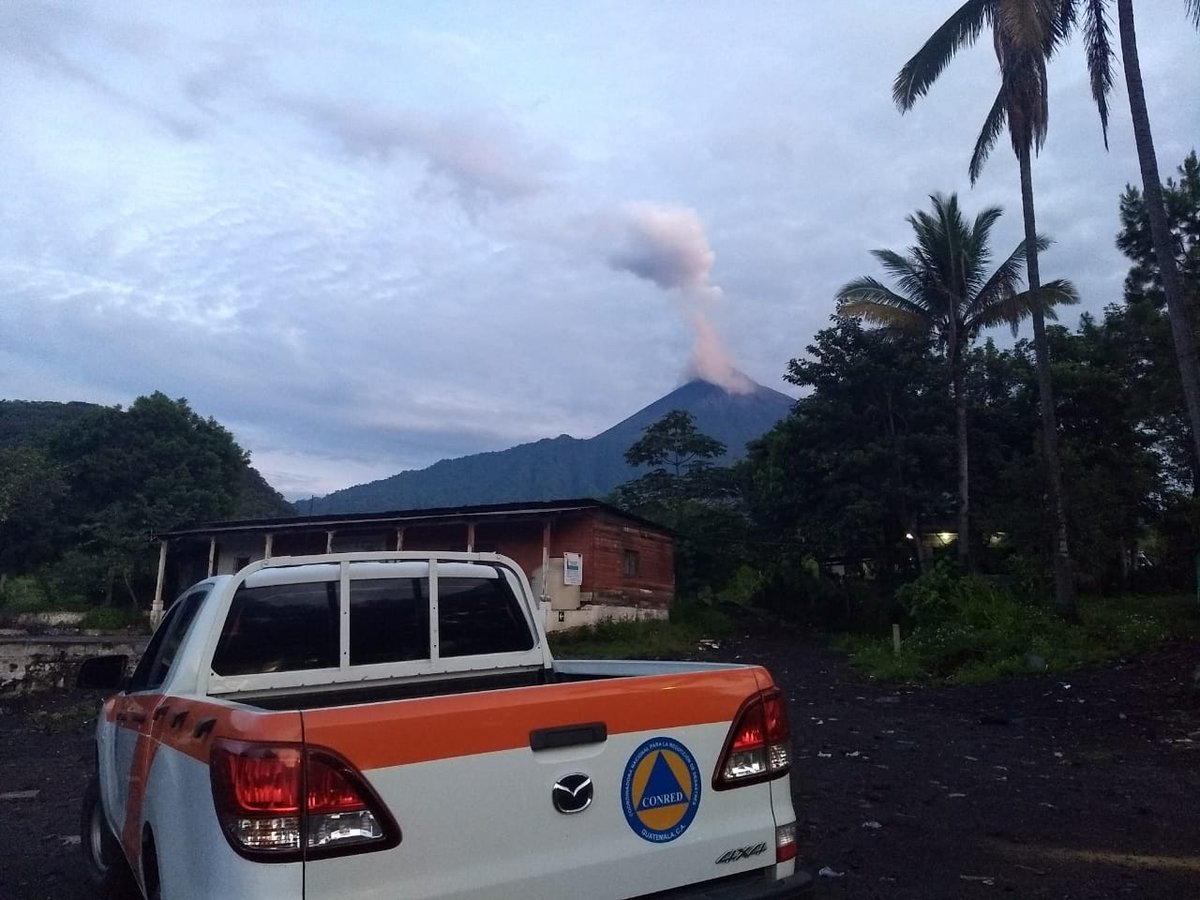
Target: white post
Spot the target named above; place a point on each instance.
(545, 559)
(156, 606)
(212, 554)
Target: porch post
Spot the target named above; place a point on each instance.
(545, 558)
(156, 606)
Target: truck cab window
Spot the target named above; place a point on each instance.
(480, 615)
(389, 620)
(279, 628)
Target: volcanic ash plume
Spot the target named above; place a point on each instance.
(667, 245)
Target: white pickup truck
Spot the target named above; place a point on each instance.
(392, 725)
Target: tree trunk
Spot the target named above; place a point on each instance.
(964, 484)
(1064, 580)
(1160, 232)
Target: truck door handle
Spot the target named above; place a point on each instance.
(136, 716)
(568, 736)
(161, 711)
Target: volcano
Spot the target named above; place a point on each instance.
(556, 468)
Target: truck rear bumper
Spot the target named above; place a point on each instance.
(742, 887)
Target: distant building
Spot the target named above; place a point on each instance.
(585, 559)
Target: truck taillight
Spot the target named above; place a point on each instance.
(785, 842)
(757, 747)
(286, 802)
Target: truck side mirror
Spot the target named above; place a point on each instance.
(103, 672)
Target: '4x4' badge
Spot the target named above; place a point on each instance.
(660, 790)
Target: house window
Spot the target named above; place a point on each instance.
(630, 563)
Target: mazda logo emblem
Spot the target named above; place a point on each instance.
(572, 793)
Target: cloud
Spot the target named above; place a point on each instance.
(481, 156)
(70, 43)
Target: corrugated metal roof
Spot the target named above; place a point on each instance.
(411, 516)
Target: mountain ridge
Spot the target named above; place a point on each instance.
(564, 466)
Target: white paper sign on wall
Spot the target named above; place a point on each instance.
(572, 568)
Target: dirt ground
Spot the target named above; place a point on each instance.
(1077, 787)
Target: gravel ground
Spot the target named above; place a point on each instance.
(1065, 787)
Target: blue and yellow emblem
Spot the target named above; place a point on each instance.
(660, 790)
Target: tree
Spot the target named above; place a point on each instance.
(688, 494)
(674, 443)
(1025, 34)
(861, 461)
(31, 488)
(943, 289)
(1181, 307)
(131, 474)
(1147, 328)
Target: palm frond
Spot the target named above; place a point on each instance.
(1098, 48)
(993, 127)
(981, 232)
(1193, 7)
(1010, 310)
(870, 300)
(1058, 292)
(909, 278)
(1024, 23)
(998, 300)
(1023, 84)
(962, 29)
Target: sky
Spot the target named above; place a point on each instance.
(368, 236)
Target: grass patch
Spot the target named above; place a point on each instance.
(60, 719)
(674, 638)
(111, 618)
(983, 633)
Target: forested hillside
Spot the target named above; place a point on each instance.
(29, 421)
(84, 489)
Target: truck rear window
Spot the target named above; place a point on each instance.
(389, 620)
(480, 615)
(280, 628)
(289, 627)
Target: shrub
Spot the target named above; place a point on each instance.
(24, 594)
(968, 629)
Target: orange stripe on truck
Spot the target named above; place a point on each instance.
(417, 730)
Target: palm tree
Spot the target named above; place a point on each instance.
(1025, 34)
(943, 289)
(1100, 57)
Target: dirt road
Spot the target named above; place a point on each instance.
(1074, 788)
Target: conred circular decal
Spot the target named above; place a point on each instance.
(660, 790)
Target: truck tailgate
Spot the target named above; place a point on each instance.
(480, 814)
